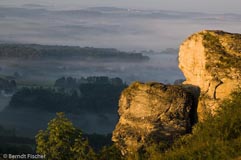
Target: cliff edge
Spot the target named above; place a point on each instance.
(211, 60)
(211, 63)
(152, 112)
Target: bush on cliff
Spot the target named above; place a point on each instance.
(219, 137)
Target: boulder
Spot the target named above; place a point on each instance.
(152, 112)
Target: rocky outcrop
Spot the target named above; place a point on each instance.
(152, 111)
(211, 63)
(211, 60)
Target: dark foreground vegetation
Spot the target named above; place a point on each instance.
(217, 138)
(13, 144)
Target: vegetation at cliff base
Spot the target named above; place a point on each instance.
(62, 141)
(217, 138)
(10, 143)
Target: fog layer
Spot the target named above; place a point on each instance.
(125, 29)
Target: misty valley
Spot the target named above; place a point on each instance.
(37, 81)
(120, 80)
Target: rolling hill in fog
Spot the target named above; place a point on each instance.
(36, 69)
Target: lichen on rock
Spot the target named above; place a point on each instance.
(152, 111)
(212, 61)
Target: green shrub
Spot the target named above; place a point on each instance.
(219, 137)
(62, 141)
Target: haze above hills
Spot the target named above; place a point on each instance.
(107, 27)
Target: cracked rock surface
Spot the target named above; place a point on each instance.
(152, 111)
(211, 60)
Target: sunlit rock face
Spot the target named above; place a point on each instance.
(211, 63)
(211, 60)
(152, 111)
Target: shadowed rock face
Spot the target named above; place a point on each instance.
(212, 61)
(152, 111)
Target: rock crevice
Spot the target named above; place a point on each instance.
(152, 111)
(210, 61)
(217, 69)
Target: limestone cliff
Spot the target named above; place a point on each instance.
(152, 111)
(211, 60)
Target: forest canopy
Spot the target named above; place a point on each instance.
(70, 95)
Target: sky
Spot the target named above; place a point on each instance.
(210, 6)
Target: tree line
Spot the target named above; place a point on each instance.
(34, 51)
(93, 94)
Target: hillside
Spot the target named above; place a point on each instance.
(38, 52)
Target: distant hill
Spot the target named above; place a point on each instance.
(35, 52)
